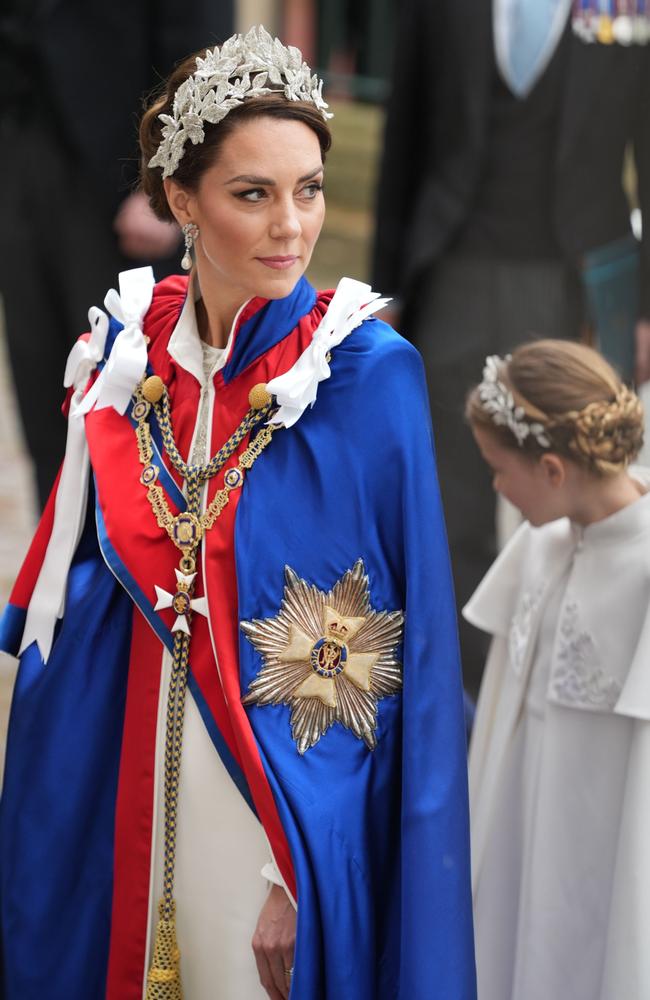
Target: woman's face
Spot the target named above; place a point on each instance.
(259, 209)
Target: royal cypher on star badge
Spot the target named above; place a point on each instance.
(329, 656)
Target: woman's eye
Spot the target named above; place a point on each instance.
(253, 194)
(312, 190)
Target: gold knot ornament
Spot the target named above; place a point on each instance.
(153, 388)
(259, 397)
(329, 656)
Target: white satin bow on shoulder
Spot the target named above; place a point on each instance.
(114, 387)
(86, 354)
(352, 302)
(127, 361)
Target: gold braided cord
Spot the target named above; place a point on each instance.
(210, 469)
(173, 748)
(163, 978)
(186, 531)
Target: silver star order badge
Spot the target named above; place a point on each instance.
(329, 656)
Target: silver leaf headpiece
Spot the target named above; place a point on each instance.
(498, 401)
(245, 66)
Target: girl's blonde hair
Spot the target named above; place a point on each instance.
(587, 414)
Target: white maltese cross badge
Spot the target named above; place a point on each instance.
(329, 656)
(181, 601)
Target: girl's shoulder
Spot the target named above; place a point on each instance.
(530, 557)
(529, 546)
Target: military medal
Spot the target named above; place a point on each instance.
(623, 27)
(605, 33)
(624, 22)
(642, 23)
(585, 21)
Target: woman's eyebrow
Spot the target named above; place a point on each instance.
(267, 181)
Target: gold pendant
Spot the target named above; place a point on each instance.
(187, 531)
(329, 656)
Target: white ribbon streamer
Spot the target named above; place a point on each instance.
(128, 359)
(114, 387)
(297, 388)
(48, 599)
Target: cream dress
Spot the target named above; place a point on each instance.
(560, 764)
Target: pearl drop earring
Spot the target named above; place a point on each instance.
(190, 234)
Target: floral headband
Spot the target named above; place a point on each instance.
(498, 401)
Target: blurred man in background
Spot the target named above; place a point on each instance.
(501, 207)
(70, 72)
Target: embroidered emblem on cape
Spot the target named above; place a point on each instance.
(329, 656)
(520, 627)
(579, 680)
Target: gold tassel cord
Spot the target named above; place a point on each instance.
(164, 976)
(164, 979)
(186, 530)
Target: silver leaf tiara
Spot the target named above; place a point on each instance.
(498, 401)
(245, 66)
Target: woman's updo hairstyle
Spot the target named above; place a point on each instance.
(197, 159)
(573, 398)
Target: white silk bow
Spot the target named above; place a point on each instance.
(113, 387)
(128, 359)
(297, 388)
(86, 354)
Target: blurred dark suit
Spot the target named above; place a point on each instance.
(72, 77)
(486, 205)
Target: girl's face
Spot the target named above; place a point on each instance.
(259, 209)
(536, 487)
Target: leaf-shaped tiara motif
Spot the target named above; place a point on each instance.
(498, 401)
(245, 66)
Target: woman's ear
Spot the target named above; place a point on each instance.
(180, 201)
(553, 469)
